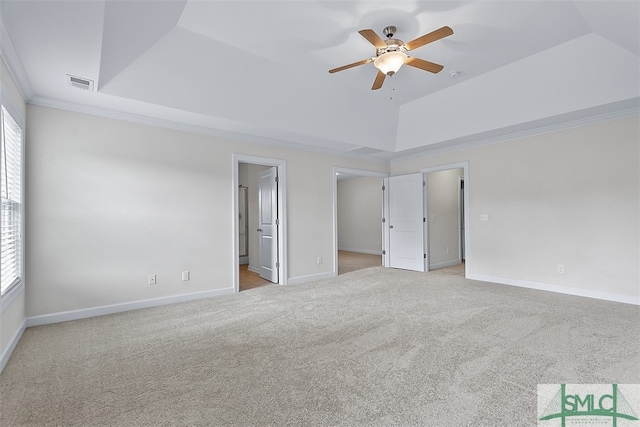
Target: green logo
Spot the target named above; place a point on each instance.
(593, 404)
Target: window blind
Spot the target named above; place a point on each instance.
(11, 195)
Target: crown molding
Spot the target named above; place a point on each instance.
(198, 129)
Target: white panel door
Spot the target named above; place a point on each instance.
(406, 222)
(268, 223)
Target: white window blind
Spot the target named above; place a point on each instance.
(11, 212)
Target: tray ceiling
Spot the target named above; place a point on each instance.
(259, 69)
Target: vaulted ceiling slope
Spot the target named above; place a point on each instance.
(259, 69)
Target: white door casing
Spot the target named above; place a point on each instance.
(268, 223)
(406, 222)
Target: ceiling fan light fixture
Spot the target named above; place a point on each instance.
(390, 62)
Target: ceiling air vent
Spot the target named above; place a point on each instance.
(80, 83)
(365, 150)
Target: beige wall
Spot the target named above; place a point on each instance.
(359, 213)
(569, 197)
(13, 315)
(110, 202)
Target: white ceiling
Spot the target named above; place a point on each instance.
(259, 69)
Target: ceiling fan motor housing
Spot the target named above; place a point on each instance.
(389, 31)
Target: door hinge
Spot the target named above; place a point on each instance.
(277, 179)
(277, 221)
(424, 219)
(383, 188)
(384, 220)
(384, 252)
(277, 265)
(424, 183)
(425, 256)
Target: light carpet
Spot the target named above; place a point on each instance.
(377, 347)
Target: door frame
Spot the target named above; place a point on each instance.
(282, 210)
(360, 173)
(467, 247)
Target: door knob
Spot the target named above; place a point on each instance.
(259, 230)
(391, 226)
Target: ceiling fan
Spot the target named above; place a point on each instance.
(390, 53)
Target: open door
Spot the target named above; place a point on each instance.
(461, 217)
(406, 222)
(268, 223)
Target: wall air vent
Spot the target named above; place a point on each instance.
(365, 150)
(80, 83)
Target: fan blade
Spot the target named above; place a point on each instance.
(373, 38)
(377, 83)
(355, 64)
(428, 38)
(432, 67)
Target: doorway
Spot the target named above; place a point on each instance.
(444, 243)
(454, 205)
(357, 219)
(253, 173)
(407, 247)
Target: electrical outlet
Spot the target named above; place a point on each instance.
(560, 269)
(185, 275)
(152, 279)
(448, 251)
(484, 217)
(319, 260)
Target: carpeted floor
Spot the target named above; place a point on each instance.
(353, 261)
(376, 347)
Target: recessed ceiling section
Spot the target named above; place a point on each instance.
(132, 27)
(272, 30)
(617, 21)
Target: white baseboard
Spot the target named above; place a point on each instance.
(243, 260)
(587, 293)
(253, 269)
(310, 278)
(6, 354)
(444, 264)
(361, 251)
(65, 316)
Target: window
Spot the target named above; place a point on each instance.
(11, 212)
